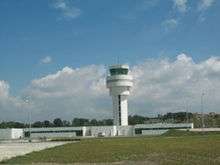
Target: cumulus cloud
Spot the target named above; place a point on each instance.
(180, 5)
(46, 60)
(11, 108)
(205, 4)
(170, 24)
(160, 85)
(67, 9)
(68, 81)
(71, 93)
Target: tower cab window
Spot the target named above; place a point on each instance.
(118, 71)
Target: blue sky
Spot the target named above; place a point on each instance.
(56, 50)
(101, 31)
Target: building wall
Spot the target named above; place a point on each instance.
(124, 110)
(53, 135)
(125, 131)
(100, 131)
(159, 128)
(5, 133)
(17, 133)
(108, 131)
(153, 132)
(55, 132)
(205, 130)
(115, 110)
(93, 131)
(120, 117)
(11, 133)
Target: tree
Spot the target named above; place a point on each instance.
(66, 123)
(178, 117)
(12, 124)
(47, 123)
(37, 124)
(136, 119)
(58, 122)
(94, 122)
(107, 122)
(80, 122)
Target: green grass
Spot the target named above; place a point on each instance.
(189, 133)
(168, 149)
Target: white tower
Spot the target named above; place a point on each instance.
(119, 83)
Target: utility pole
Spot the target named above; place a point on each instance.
(187, 115)
(202, 110)
(27, 101)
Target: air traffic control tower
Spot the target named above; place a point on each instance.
(119, 83)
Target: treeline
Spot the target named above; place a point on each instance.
(58, 123)
(210, 120)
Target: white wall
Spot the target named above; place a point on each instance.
(106, 130)
(17, 133)
(115, 110)
(124, 110)
(55, 132)
(5, 133)
(54, 135)
(153, 132)
(11, 133)
(109, 131)
(125, 130)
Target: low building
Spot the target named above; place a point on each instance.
(11, 133)
(106, 131)
(54, 132)
(109, 131)
(159, 128)
(92, 131)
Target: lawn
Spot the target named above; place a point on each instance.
(172, 148)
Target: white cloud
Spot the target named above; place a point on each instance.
(68, 10)
(170, 24)
(160, 85)
(205, 4)
(71, 92)
(68, 82)
(11, 108)
(4, 89)
(46, 60)
(180, 5)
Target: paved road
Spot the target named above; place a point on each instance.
(12, 149)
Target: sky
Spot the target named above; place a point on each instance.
(55, 52)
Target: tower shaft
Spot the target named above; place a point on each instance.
(120, 110)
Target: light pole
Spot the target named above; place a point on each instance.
(27, 101)
(186, 110)
(202, 110)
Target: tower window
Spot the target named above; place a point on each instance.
(119, 109)
(118, 71)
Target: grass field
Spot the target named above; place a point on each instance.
(173, 148)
